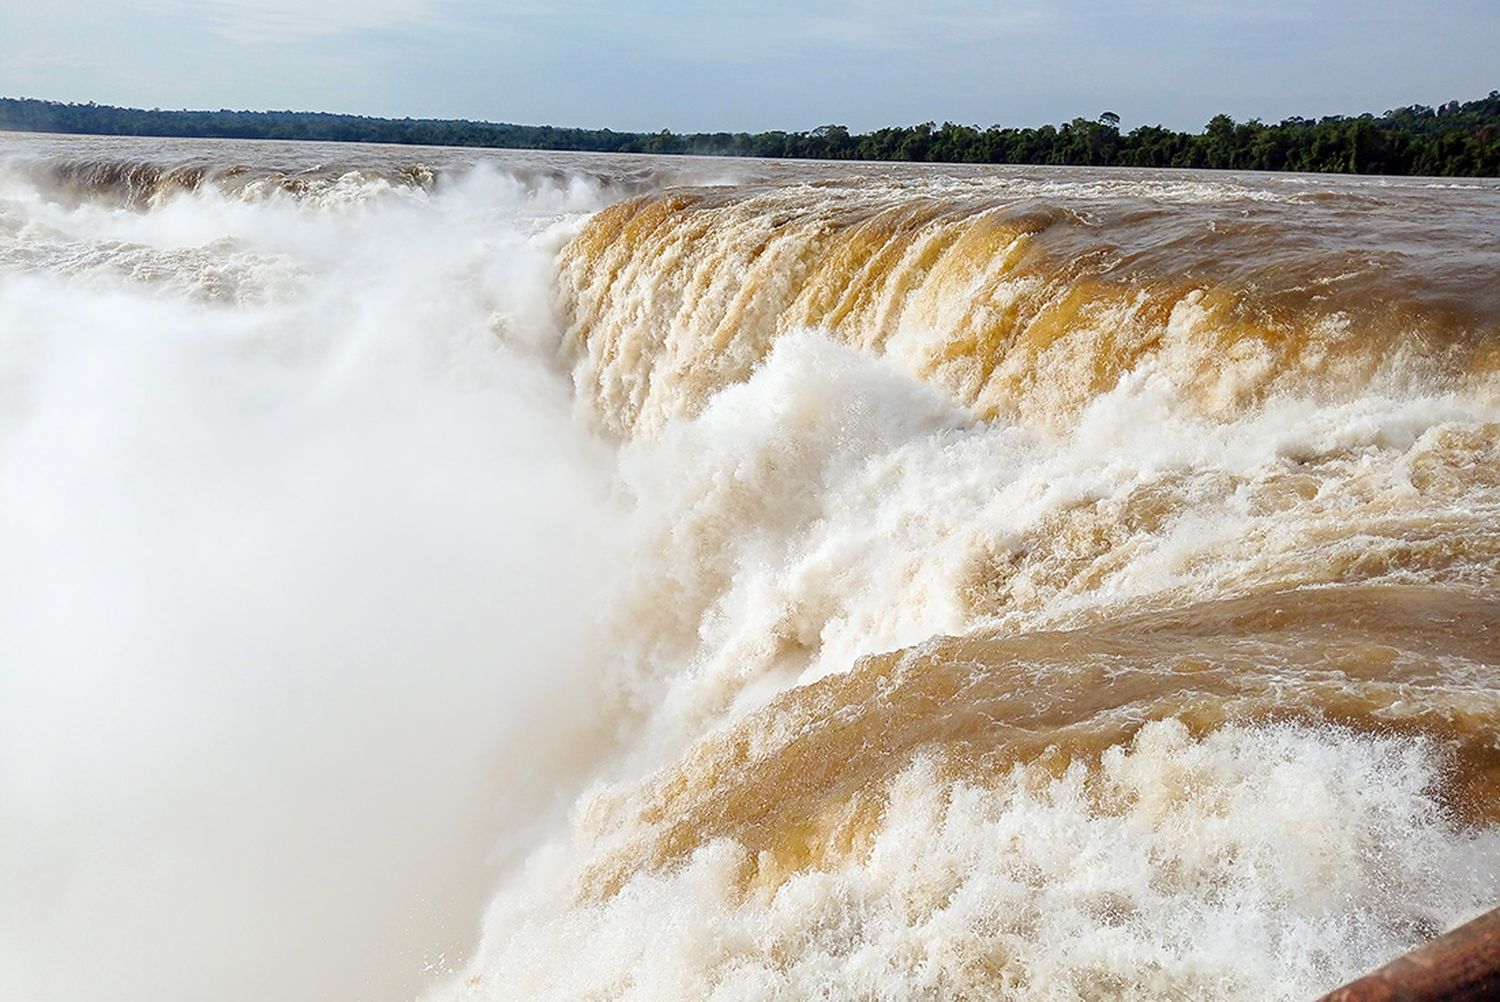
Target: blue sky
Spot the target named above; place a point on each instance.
(709, 66)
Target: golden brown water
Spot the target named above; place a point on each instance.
(1023, 308)
(1232, 538)
(802, 783)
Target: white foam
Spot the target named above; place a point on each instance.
(1263, 864)
(831, 506)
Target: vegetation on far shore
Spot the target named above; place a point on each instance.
(1454, 139)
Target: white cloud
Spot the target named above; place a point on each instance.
(286, 20)
(898, 24)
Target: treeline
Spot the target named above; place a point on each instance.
(1454, 139)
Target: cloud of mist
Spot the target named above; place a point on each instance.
(293, 589)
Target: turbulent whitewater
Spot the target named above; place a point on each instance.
(485, 576)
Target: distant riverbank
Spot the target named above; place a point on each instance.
(1455, 139)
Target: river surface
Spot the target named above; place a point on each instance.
(470, 575)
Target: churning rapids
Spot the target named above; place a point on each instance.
(475, 576)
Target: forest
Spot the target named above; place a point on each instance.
(1453, 139)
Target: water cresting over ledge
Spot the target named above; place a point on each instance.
(884, 581)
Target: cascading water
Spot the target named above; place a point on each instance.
(754, 580)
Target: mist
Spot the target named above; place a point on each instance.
(297, 548)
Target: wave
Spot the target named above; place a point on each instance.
(1175, 865)
(144, 174)
(142, 184)
(1023, 309)
(800, 784)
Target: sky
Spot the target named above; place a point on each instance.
(711, 66)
